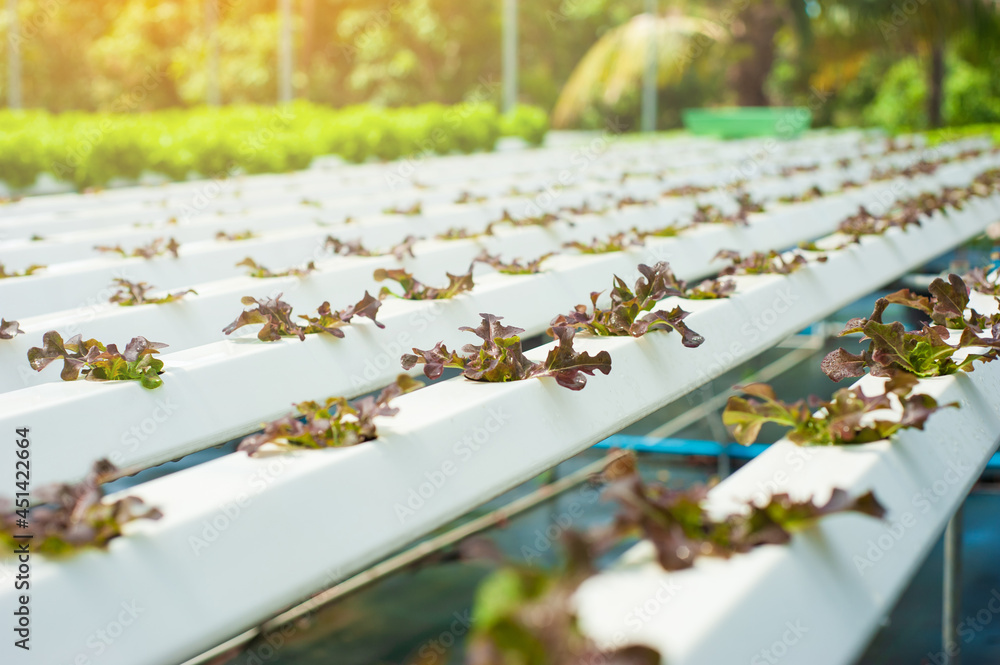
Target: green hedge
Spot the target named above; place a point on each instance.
(90, 149)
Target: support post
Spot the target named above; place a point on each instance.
(14, 100)
(285, 52)
(212, 94)
(648, 120)
(509, 71)
(952, 583)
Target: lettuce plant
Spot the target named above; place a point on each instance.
(260, 272)
(348, 248)
(97, 362)
(413, 210)
(686, 190)
(583, 209)
(747, 204)
(711, 289)
(514, 267)
(623, 317)
(233, 237)
(500, 358)
(924, 352)
(72, 517)
(707, 213)
(850, 417)
(414, 289)
(276, 315)
(979, 280)
(680, 529)
(759, 263)
(152, 249)
(536, 220)
(455, 233)
(468, 197)
(134, 293)
(669, 231)
(404, 247)
(787, 171)
(30, 270)
(332, 424)
(810, 194)
(617, 242)
(9, 329)
(630, 201)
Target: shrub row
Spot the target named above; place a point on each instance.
(91, 149)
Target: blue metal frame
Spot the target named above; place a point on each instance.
(646, 444)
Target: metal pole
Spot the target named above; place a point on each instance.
(952, 608)
(212, 96)
(13, 57)
(650, 74)
(285, 52)
(509, 38)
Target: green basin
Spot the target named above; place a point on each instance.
(739, 122)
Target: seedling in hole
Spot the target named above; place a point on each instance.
(332, 424)
(97, 362)
(499, 358)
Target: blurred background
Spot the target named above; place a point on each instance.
(899, 65)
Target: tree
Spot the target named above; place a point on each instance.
(929, 25)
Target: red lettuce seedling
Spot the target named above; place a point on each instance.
(622, 318)
(514, 267)
(9, 329)
(455, 233)
(99, 363)
(331, 322)
(30, 270)
(681, 530)
(617, 242)
(536, 220)
(746, 205)
(630, 201)
(810, 194)
(850, 417)
(72, 517)
(415, 209)
(154, 248)
(500, 358)
(924, 352)
(584, 209)
(669, 231)
(979, 280)
(134, 293)
(404, 248)
(468, 197)
(334, 423)
(711, 289)
(413, 289)
(260, 272)
(799, 168)
(234, 237)
(686, 190)
(276, 315)
(758, 263)
(348, 248)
